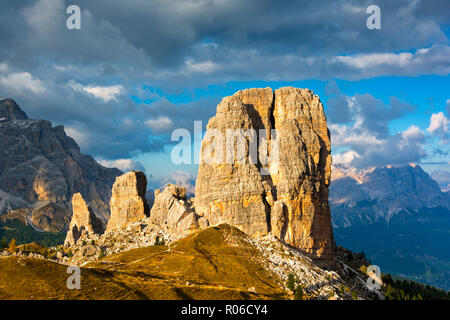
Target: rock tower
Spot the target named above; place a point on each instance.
(285, 190)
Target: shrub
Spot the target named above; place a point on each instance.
(159, 242)
(342, 288)
(291, 282)
(298, 294)
(4, 243)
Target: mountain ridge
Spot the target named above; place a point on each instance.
(383, 194)
(41, 165)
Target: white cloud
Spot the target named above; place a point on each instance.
(202, 67)
(346, 157)
(21, 82)
(159, 124)
(124, 165)
(81, 137)
(355, 135)
(438, 122)
(413, 132)
(105, 93)
(366, 136)
(439, 125)
(362, 61)
(432, 60)
(400, 148)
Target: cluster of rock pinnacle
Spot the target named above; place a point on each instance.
(290, 202)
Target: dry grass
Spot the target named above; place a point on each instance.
(212, 264)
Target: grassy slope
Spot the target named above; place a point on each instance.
(215, 263)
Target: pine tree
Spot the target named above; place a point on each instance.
(4, 243)
(291, 282)
(298, 294)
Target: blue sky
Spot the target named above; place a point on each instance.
(138, 70)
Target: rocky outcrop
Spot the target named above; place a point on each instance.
(84, 221)
(287, 195)
(39, 164)
(128, 203)
(9, 110)
(171, 210)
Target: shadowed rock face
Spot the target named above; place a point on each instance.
(39, 163)
(128, 203)
(287, 196)
(83, 221)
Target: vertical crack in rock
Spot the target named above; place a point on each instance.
(290, 202)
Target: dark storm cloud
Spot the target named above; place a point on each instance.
(167, 30)
(69, 77)
(148, 37)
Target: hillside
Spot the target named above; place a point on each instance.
(398, 215)
(219, 262)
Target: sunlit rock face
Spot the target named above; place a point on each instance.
(128, 203)
(283, 192)
(83, 221)
(39, 164)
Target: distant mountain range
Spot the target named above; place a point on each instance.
(41, 168)
(390, 194)
(398, 215)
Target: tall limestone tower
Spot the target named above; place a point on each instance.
(284, 193)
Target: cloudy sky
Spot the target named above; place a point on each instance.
(138, 69)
